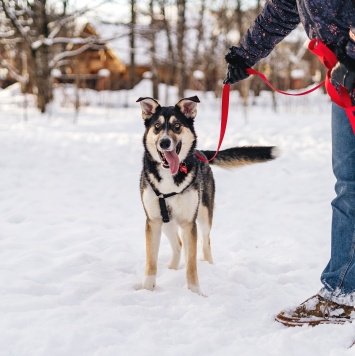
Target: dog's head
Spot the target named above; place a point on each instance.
(170, 136)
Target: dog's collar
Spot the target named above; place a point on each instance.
(183, 168)
(163, 209)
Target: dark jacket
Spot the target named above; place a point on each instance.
(327, 20)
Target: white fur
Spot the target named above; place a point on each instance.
(184, 205)
(171, 232)
(187, 140)
(149, 282)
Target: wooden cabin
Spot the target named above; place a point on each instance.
(96, 68)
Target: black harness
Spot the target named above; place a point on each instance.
(163, 209)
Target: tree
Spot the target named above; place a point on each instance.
(181, 28)
(154, 26)
(37, 36)
(132, 43)
(171, 63)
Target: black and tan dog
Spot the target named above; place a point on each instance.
(177, 189)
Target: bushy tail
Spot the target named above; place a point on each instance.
(241, 156)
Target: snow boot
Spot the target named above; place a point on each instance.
(317, 310)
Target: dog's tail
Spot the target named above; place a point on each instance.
(241, 156)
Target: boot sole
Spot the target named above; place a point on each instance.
(296, 322)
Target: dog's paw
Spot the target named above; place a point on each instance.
(197, 290)
(148, 282)
(174, 264)
(207, 254)
(207, 259)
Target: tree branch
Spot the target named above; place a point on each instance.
(13, 72)
(67, 54)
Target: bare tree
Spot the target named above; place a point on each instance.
(171, 50)
(181, 29)
(38, 31)
(132, 73)
(152, 37)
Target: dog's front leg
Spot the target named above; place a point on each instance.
(152, 235)
(189, 237)
(171, 231)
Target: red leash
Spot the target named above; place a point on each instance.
(328, 58)
(224, 120)
(225, 107)
(262, 76)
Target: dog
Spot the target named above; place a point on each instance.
(177, 188)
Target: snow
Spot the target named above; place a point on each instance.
(104, 73)
(72, 239)
(298, 73)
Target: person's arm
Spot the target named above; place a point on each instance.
(274, 23)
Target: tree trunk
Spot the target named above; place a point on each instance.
(171, 64)
(132, 71)
(181, 27)
(200, 29)
(42, 78)
(154, 64)
(40, 56)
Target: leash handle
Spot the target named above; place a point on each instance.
(224, 120)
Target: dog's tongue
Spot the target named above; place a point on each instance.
(173, 161)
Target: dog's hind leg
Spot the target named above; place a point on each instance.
(189, 238)
(204, 220)
(171, 232)
(152, 234)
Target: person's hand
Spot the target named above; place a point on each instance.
(236, 68)
(344, 75)
(343, 72)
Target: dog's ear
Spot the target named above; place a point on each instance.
(149, 107)
(188, 106)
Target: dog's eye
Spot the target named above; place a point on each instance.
(157, 125)
(177, 126)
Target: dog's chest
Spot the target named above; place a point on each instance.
(182, 206)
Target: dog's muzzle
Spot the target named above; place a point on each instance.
(169, 158)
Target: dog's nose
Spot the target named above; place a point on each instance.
(165, 143)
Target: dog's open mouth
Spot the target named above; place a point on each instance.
(170, 159)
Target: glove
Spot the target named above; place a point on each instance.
(236, 67)
(344, 71)
(344, 75)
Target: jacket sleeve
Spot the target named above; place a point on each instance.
(274, 23)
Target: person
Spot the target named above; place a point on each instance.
(333, 23)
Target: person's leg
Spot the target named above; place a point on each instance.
(339, 275)
(335, 302)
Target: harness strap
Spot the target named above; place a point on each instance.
(163, 209)
(162, 204)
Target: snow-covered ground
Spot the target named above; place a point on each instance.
(72, 239)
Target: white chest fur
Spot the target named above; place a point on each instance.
(182, 206)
